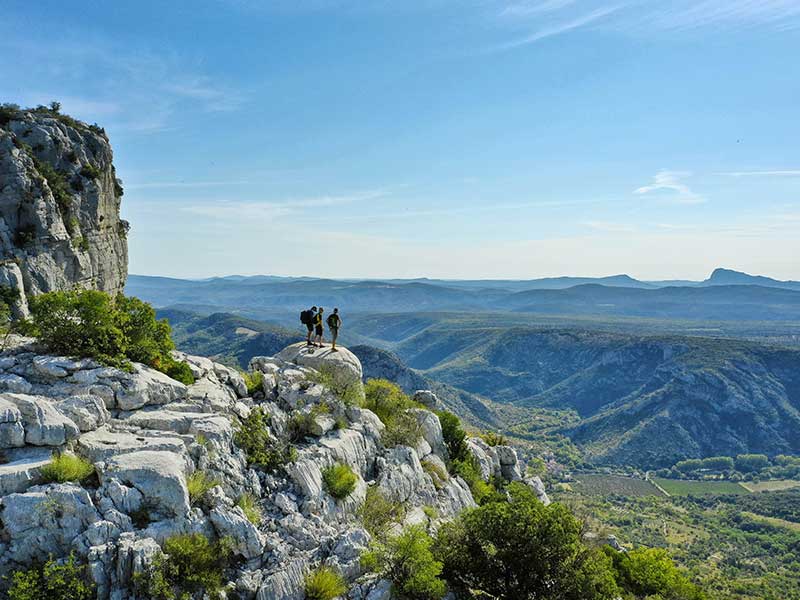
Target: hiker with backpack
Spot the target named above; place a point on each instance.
(307, 318)
(318, 328)
(334, 322)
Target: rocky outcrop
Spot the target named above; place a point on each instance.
(59, 207)
(147, 436)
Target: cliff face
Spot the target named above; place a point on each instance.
(59, 206)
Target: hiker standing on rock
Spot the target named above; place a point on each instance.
(318, 328)
(334, 322)
(307, 318)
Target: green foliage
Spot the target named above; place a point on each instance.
(339, 480)
(198, 484)
(493, 438)
(522, 549)
(58, 184)
(437, 473)
(89, 171)
(52, 581)
(388, 401)
(115, 331)
(66, 467)
(324, 583)
(300, 424)
(254, 380)
(8, 112)
(712, 463)
(482, 491)
(8, 296)
(454, 435)
(261, 448)
(407, 561)
(748, 463)
(249, 505)
(379, 514)
(341, 384)
(650, 572)
(24, 235)
(191, 568)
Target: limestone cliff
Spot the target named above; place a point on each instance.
(59, 206)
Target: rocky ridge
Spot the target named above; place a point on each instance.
(59, 206)
(145, 434)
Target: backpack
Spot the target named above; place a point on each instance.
(333, 320)
(306, 317)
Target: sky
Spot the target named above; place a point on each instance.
(438, 138)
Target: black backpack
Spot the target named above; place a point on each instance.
(306, 317)
(333, 320)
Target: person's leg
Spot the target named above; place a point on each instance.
(308, 336)
(334, 335)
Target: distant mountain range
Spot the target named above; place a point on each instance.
(726, 295)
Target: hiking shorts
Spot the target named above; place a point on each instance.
(334, 330)
(310, 327)
(319, 330)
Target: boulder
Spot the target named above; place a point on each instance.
(45, 520)
(105, 443)
(343, 364)
(44, 424)
(286, 583)
(146, 386)
(87, 411)
(158, 475)
(431, 430)
(232, 522)
(12, 433)
(14, 383)
(428, 399)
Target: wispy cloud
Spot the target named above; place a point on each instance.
(558, 28)
(779, 173)
(610, 226)
(672, 181)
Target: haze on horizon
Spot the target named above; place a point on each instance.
(473, 139)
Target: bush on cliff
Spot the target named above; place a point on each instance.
(455, 438)
(52, 580)
(339, 480)
(114, 331)
(324, 584)
(407, 561)
(523, 549)
(66, 467)
(262, 450)
(388, 401)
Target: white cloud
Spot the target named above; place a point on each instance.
(671, 181)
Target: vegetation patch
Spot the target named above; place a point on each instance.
(66, 467)
(339, 480)
(191, 567)
(379, 514)
(684, 487)
(254, 380)
(340, 383)
(600, 484)
(199, 484)
(262, 450)
(114, 331)
(249, 505)
(392, 406)
(53, 580)
(89, 171)
(407, 561)
(324, 583)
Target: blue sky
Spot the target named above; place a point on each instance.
(442, 138)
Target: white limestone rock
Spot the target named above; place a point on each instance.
(343, 363)
(158, 475)
(9, 382)
(146, 387)
(22, 469)
(247, 539)
(104, 443)
(44, 424)
(87, 411)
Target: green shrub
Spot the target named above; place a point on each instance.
(66, 467)
(523, 549)
(8, 112)
(379, 514)
(249, 505)
(407, 561)
(649, 572)
(198, 484)
(114, 331)
(89, 171)
(191, 567)
(388, 401)
(455, 438)
(438, 474)
(254, 381)
(24, 235)
(324, 583)
(52, 581)
(341, 384)
(482, 491)
(261, 448)
(493, 439)
(339, 480)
